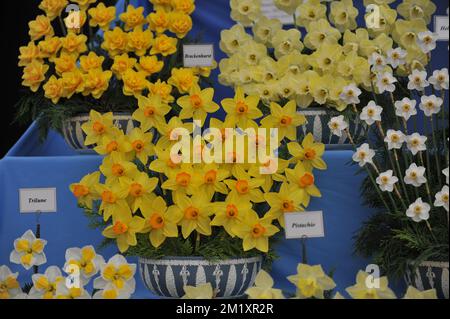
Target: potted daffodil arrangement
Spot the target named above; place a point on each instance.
(86, 55)
(196, 221)
(323, 59)
(406, 158)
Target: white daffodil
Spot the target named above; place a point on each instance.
(28, 251)
(418, 80)
(394, 139)
(416, 143)
(405, 108)
(385, 82)
(387, 181)
(44, 285)
(440, 79)
(430, 104)
(371, 113)
(65, 292)
(415, 175)
(350, 94)
(445, 172)
(396, 57)
(441, 198)
(364, 155)
(9, 286)
(377, 61)
(427, 41)
(337, 125)
(418, 211)
(111, 292)
(87, 260)
(118, 272)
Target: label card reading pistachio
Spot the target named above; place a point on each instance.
(304, 225)
(441, 27)
(198, 55)
(33, 200)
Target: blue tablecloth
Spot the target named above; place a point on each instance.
(52, 164)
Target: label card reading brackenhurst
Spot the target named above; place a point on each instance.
(198, 55)
(33, 200)
(304, 224)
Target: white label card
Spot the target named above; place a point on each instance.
(304, 225)
(441, 27)
(198, 55)
(33, 200)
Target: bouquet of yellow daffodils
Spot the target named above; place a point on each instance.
(324, 56)
(155, 198)
(83, 55)
(406, 159)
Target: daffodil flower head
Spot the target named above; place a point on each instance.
(98, 126)
(309, 153)
(28, 251)
(203, 291)
(304, 180)
(263, 288)
(361, 290)
(85, 191)
(9, 286)
(230, 213)
(118, 273)
(414, 293)
(87, 261)
(311, 281)
(44, 285)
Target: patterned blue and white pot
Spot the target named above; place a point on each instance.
(430, 275)
(74, 135)
(317, 124)
(229, 278)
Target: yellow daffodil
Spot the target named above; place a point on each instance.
(388, 16)
(41, 27)
(255, 232)
(114, 142)
(417, 9)
(209, 179)
(288, 200)
(265, 28)
(74, 44)
(84, 190)
(139, 41)
(151, 112)
(117, 168)
(159, 21)
(49, 48)
(29, 53)
(124, 229)
(196, 211)
(203, 291)
(181, 181)
(65, 63)
(361, 290)
(9, 286)
(169, 132)
(115, 42)
(287, 41)
(163, 162)
(285, 119)
(311, 281)
(263, 288)
(44, 285)
(245, 11)
(141, 144)
(75, 21)
(406, 32)
(96, 82)
(245, 187)
(53, 89)
(180, 23)
(381, 45)
(309, 152)
(414, 293)
(140, 191)
(132, 17)
(84, 4)
(230, 213)
(197, 104)
(117, 273)
(321, 32)
(304, 180)
(150, 65)
(309, 11)
(28, 251)
(241, 110)
(53, 8)
(164, 45)
(73, 82)
(134, 83)
(163, 90)
(34, 75)
(160, 221)
(233, 39)
(343, 15)
(113, 199)
(183, 79)
(87, 261)
(122, 63)
(186, 6)
(268, 166)
(91, 61)
(102, 16)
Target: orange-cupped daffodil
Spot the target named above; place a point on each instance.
(97, 127)
(288, 200)
(85, 191)
(197, 104)
(241, 110)
(113, 197)
(117, 168)
(245, 187)
(230, 213)
(140, 191)
(309, 153)
(304, 180)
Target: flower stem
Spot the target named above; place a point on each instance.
(400, 176)
(61, 23)
(444, 128)
(428, 177)
(436, 147)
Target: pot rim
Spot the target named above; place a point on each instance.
(195, 260)
(83, 116)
